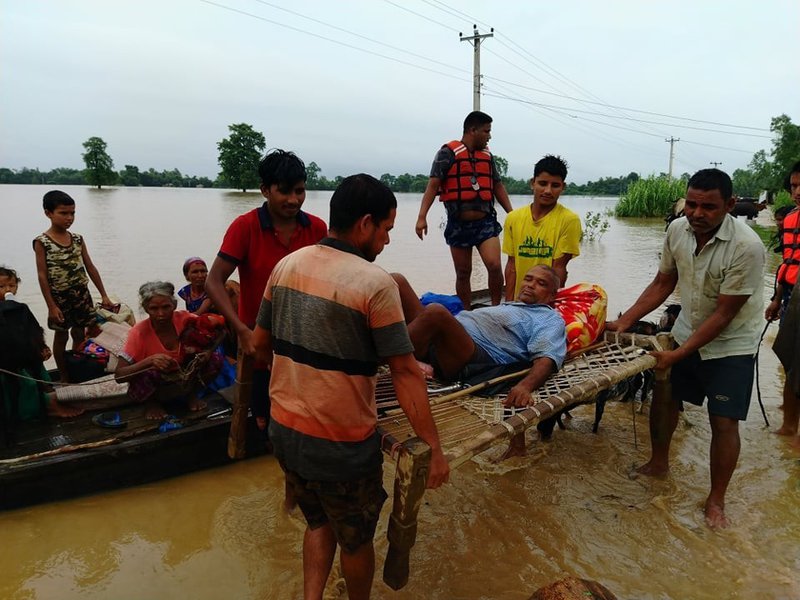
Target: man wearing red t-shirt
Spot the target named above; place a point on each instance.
(254, 243)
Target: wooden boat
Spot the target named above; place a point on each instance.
(55, 459)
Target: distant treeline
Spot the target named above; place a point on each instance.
(406, 183)
(129, 176)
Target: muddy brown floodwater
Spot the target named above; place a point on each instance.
(495, 532)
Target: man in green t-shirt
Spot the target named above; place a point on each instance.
(544, 232)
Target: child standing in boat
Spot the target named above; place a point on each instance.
(64, 269)
(194, 294)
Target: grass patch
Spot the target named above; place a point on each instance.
(650, 197)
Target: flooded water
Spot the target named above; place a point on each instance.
(495, 532)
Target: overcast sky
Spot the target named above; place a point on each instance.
(379, 85)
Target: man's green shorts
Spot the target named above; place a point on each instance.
(351, 507)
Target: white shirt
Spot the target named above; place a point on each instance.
(731, 263)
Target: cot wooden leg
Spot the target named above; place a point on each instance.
(409, 486)
(237, 438)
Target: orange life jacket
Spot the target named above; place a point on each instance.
(469, 171)
(787, 272)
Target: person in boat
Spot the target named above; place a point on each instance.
(528, 330)
(785, 305)
(544, 232)
(169, 353)
(717, 262)
(466, 178)
(64, 269)
(194, 294)
(23, 353)
(325, 431)
(253, 244)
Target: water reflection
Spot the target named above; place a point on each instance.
(497, 531)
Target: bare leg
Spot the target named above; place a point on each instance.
(194, 403)
(663, 421)
(78, 336)
(59, 347)
(490, 254)
(56, 409)
(358, 569)
(319, 548)
(412, 307)
(436, 326)
(791, 411)
(725, 445)
(462, 261)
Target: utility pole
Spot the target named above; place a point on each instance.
(715, 163)
(476, 40)
(671, 141)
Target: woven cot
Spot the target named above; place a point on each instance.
(469, 424)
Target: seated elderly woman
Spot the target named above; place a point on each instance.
(170, 354)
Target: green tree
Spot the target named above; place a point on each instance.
(502, 165)
(745, 183)
(785, 148)
(239, 154)
(312, 176)
(99, 166)
(130, 176)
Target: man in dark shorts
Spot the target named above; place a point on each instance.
(717, 263)
(465, 177)
(329, 316)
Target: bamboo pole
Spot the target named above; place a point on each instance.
(411, 476)
(237, 438)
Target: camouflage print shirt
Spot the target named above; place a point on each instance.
(65, 267)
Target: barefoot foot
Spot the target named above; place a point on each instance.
(196, 404)
(63, 411)
(516, 447)
(715, 516)
(653, 469)
(154, 412)
(786, 430)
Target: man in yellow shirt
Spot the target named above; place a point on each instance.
(543, 233)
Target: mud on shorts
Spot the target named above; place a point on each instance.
(726, 382)
(76, 305)
(468, 234)
(351, 508)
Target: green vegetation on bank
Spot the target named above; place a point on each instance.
(650, 197)
(240, 152)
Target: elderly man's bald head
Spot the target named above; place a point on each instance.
(539, 286)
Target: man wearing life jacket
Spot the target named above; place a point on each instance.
(786, 305)
(465, 177)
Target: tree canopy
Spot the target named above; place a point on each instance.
(763, 173)
(239, 155)
(99, 166)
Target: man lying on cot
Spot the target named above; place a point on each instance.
(527, 330)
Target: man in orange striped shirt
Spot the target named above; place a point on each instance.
(328, 318)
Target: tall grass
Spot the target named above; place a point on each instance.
(650, 197)
(782, 199)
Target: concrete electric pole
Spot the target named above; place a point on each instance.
(671, 141)
(476, 40)
(715, 163)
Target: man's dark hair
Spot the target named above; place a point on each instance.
(281, 168)
(712, 179)
(356, 196)
(476, 119)
(555, 165)
(795, 169)
(784, 210)
(56, 198)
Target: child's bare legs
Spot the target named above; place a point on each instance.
(59, 347)
(78, 336)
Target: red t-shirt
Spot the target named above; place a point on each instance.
(252, 244)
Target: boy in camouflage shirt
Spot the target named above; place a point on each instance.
(64, 269)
